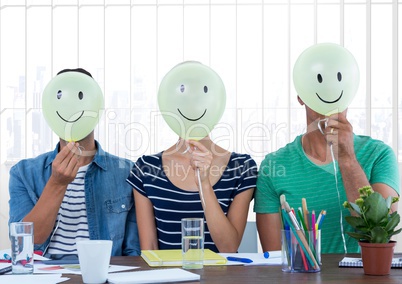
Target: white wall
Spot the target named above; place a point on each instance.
(253, 50)
(4, 197)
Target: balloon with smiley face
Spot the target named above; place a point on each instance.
(326, 78)
(72, 104)
(192, 99)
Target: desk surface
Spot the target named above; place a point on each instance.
(330, 273)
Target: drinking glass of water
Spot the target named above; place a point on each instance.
(22, 247)
(192, 234)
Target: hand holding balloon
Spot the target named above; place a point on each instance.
(65, 165)
(339, 133)
(326, 78)
(201, 159)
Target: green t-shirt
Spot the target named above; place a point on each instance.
(290, 172)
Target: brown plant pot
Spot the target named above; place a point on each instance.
(377, 258)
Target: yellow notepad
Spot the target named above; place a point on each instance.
(173, 257)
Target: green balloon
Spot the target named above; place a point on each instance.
(192, 99)
(326, 78)
(72, 104)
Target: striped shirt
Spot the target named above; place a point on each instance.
(171, 203)
(72, 222)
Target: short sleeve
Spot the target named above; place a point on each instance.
(266, 199)
(248, 175)
(20, 202)
(135, 179)
(385, 169)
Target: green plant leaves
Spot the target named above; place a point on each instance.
(356, 222)
(393, 221)
(376, 209)
(379, 235)
(374, 222)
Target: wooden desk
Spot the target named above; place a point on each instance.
(330, 273)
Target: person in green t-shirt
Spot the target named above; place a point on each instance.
(326, 166)
(329, 163)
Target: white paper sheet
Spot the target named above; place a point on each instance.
(275, 258)
(153, 276)
(32, 279)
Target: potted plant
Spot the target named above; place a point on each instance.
(374, 225)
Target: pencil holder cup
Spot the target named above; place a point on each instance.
(301, 251)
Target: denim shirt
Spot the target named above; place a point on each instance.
(109, 198)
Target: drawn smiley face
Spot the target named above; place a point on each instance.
(192, 99)
(72, 105)
(326, 78)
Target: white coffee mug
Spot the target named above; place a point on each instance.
(94, 257)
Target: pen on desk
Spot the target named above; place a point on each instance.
(272, 254)
(6, 269)
(7, 258)
(239, 259)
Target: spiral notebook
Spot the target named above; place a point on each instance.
(173, 257)
(357, 262)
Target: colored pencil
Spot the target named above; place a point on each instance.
(300, 236)
(302, 221)
(322, 219)
(305, 213)
(313, 225)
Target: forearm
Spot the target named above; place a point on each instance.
(146, 222)
(44, 213)
(353, 177)
(223, 232)
(269, 230)
(147, 233)
(147, 244)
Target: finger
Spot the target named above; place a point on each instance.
(333, 123)
(196, 145)
(64, 155)
(72, 166)
(71, 159)
(204, 158)
(200, 154)
(203, 167)
(67, 149)
(73, 148)
(189, 149)
(199, 149)
(334, 117)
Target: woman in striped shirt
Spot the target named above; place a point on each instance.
(167, 189)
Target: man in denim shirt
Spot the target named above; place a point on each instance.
(80, 177)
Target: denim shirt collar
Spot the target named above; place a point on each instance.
(99, 159)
